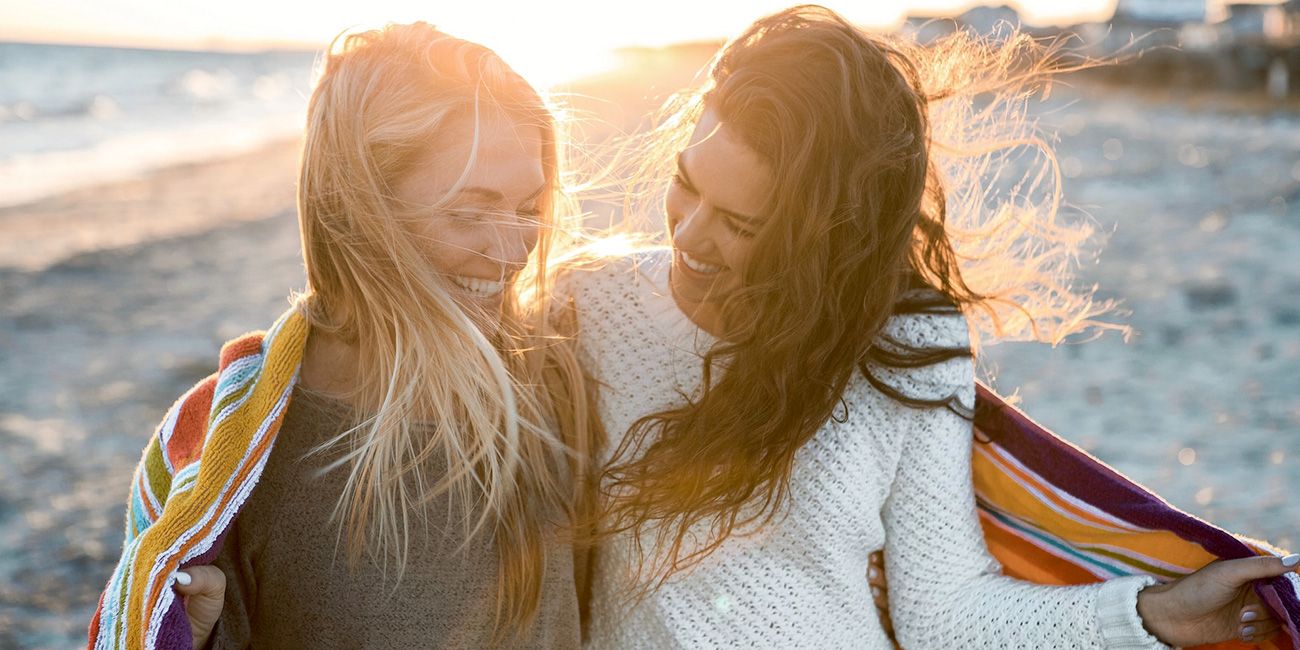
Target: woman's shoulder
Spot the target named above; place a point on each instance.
(925, 356)
(925, 319)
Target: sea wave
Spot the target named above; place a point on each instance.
(72, 116)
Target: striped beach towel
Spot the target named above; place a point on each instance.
(1053, 514)
(180, 508)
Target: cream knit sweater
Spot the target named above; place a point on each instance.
(887, 477)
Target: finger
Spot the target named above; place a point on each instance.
(1245, 570)
(876, 577)
(1254, 613)
(1266, 629)
(201, 582)
(1253, 634)
(879, 598)
(1257, 630)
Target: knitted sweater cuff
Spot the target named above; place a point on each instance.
(1121, 627)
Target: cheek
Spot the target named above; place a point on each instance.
(735, 253)
(448, 250)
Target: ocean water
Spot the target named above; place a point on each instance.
(72, 116)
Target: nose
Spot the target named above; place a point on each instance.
(512, 245)
(691, 231)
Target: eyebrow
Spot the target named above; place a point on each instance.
(681, 169)
(493, 195)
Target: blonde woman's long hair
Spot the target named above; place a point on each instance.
(502, 402)
(884, 155)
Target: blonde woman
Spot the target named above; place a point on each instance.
(427, 423)
(790, 383)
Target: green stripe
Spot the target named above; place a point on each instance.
(232, 398)
(155, 471)
(1070, 550)
(1072, 546)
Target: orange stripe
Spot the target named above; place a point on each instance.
(1011, 497)
(241, 347)
(1051, 492)
(1024, 561)
(187, 436)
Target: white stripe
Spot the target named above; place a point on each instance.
(231, 408)
(185, 479)
(236, 366)
(1002, 458)
(1095, 547)
(147, 490)
(168, 429)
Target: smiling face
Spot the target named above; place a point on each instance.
(714, 209)
(475, 205)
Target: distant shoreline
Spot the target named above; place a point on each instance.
(168, 201)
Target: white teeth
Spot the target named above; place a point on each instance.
(698, 266)
(478, 286)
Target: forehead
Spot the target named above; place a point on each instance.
(726, 170)
(496, 154)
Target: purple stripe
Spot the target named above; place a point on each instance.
(1077, 473)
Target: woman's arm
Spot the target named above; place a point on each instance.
(945, 587)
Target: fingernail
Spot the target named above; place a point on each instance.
(1247, 617)
(1291, 560)
(182, 577)
(875, 591)
(872, 573)
(1249, 630)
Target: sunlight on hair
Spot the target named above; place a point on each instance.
(492, 396)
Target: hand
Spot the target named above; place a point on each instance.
(204, 589)
(880, 592)
(1213, 605)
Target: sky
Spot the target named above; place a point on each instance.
(546, 39)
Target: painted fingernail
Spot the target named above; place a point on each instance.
(1248, 616)
(1291, 560)
(873, 573)
(1248, 631)
(182, 577)
(875, 591)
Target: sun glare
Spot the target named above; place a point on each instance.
(548, 42)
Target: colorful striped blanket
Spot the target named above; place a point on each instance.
(1053, 514)
(180, 508)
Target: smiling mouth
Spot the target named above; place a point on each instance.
(479, 287)
(698, 266)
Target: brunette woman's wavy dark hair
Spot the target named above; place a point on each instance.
(873, 143)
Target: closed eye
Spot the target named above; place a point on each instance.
(735, 228)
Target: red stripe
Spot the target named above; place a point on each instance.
(1024, 561)
(241, 347)
(186, 441)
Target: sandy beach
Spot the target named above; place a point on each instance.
(114, 299)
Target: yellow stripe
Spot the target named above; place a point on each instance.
(221, 456)
(1007, 495)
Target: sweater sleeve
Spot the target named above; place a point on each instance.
(945, 589)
